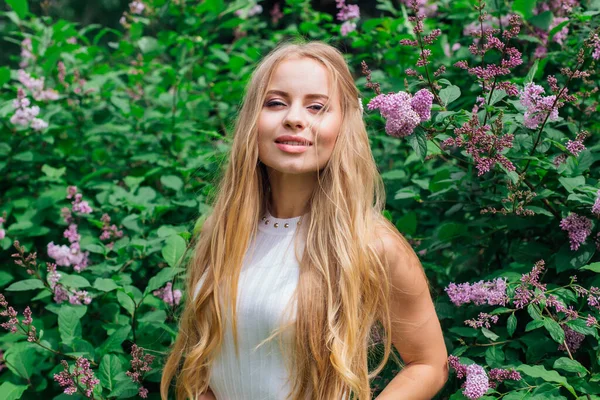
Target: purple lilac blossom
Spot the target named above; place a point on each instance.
(490, 292)
(399, 110)
(477, 382)
(482, 320)
(81, 374)
(572, 338)
(596, 206)
(578, 227)
(168, 295)
(349, 13)
(538, 106)
(590, 321)
(136, 7)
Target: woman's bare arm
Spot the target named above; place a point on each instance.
(209, 395)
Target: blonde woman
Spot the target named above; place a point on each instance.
(296, 267)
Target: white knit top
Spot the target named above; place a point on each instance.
(268, 279)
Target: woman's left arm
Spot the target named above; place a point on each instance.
(416, 331)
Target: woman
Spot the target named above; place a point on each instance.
(297, 242)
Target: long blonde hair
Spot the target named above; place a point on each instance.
(343, 290)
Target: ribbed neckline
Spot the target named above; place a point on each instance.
(276, 226)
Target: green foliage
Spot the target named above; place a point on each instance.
(142, 125)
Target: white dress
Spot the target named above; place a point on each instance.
(268, 279)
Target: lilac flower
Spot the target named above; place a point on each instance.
(36, 87)
(595, 43)
(140, 363)
(477, 382)
(53, 275)
(168, 295)
(490, 292)
(576, 146)
(347, 27)
(80, 297)
(11, 324)
(538, 106)
(349, 13)
(594, 297)
(498, 375)
(596, 206)
(136, 7)
(82, 375)
(25, 115)
(523, 294)
(461, 369)
(71, 233)
(485, 148)
(2, 221)
(572, 338)
(578, 227)
(590, 320)
(81, 206)
(66, 256)
(276, 13)
(26, 53)
(252, 11)
(60, 294)
(401, 111)
(482, 320)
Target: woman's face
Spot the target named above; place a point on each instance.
(298, 90)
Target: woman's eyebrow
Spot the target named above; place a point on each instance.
(309, 96)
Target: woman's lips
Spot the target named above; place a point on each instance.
(290, 148)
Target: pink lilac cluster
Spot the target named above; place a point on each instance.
(136, 7)
(590, 321)
(596, 206)
(483, 320)
(168, 295)
(78, 82)
(402, 111)
(276, 13)
(490, 292)
(539, 107)
(573, 339)
(36, 87)
(82, 375)
(576, 146)
(349, 13)
(486, 149)
(477, 382)
(27, 56)
(560, 10)
(2, 365)
(420, 42)
(489, 74)
(25, 115)
(578, 228)
(595, 43)
(2, 231)
(427, 8)
(570, 312)
(525, 292)
(499, 375)
(593, 295)
(109, 232)
(13, 322)
(61, 293)
(71, 255)
(140, 364)
(247, 13)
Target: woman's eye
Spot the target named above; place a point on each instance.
(316, 107)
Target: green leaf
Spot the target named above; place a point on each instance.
(173, 250)
(555, 330)
(532, 71)
(524, 7)
(511, 324)
(537, 323)
(21, 7)
(126, 301)
(4, 75)
(489, 334)
(21, 359)
(542, 20)
(113, 343)
(595, 267)
(110, 367)
(105, 285)
(124, 389)
(5, 278)
(148, 44)
(449, 94)
(53, 173)
(27, 284)
(418, 142)
(10, 391)
(538, 371)
(164, 276)
(74, 281)
(566, 364)
(571, 184)
(172, 182)
(557, 28)
(534, 312)
(68, 322)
